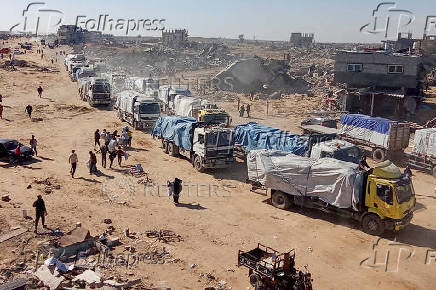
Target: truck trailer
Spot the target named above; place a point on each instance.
(204, 145)
(423, 155)
(380, 199)
(137, 109)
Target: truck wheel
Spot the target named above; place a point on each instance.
(372, 225)
(379, 155)
(165, 147)
(197, 164)
(172, 150)
(280, 200)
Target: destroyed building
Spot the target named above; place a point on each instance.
(380, 83)
(428, 45)
(299, 39)
(70, 34)
(259, 75)
(404, 43)
(175, 38)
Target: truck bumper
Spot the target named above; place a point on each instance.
(219, 163)
(100, 103)
(145, 125)
(396, 225)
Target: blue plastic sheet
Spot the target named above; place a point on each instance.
(253, 136)
(175, 128)
(379, 125)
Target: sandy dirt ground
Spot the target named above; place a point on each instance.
(218, 215)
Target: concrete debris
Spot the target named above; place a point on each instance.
(17, 284)
(89, 276)
(75, 236)
(50, 277)
(12, 234)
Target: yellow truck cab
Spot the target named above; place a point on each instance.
(215, 116)
(389, 199)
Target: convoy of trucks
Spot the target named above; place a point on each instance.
(204, 145)
(316, 171)
(139, 110)
(380, 199)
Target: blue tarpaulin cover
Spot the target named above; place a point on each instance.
(379, 125)
(253, 136)
(176, 129)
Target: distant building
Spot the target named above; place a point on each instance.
(380, 83)
(175, 38)
(428, 45)
(70, 34)
(404, 43)
(299, 39)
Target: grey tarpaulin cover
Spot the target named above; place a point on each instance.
(425, 142)
(335, 182)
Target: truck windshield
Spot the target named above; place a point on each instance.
(217, 119)
(101, 88)
(151, 108)
(219, 139)
(404, 192)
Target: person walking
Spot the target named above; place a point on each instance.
(248, 110)
(33, 144)
(120, 154)
(177, 189)
(41, 212)
(1, 111)
(103, 150)
(29, 110)
(73, 161)
(239, 103)
(97, 138)
(39, 90)
(129, 135)
(92, 163)
(242, 111)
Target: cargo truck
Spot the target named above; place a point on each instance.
(204, 145)
(380, 199)
(423, 155)
(95, 91)
(137, 109)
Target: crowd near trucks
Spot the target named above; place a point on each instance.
(139, 110)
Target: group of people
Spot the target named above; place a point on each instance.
(243, 109)
(109, 147)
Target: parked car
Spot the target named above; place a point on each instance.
(7, 150)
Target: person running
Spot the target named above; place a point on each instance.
(41, 212)
(92, 163)
(73, 161)
(103, 150)
(248, 110)
(97, 137)
(33, 144)
(120, 154)
(29, 110)
(39, 90)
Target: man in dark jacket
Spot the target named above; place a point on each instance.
(41, 212)
(97, 138)
(103, 150)
(177, 190)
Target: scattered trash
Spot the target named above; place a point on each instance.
(165, 236)
(5, 198)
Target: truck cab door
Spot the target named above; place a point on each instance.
(381, 199)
